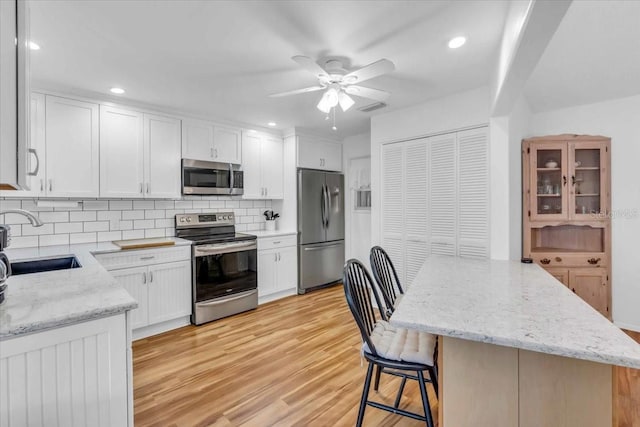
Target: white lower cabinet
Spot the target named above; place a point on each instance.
(74, 375)
(160, 281)
(277, 268)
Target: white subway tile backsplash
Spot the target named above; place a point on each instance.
(75, 238)
(132, 215)
(141, 224)
(96, 205)
(53, 239)
(68, 227)
(120, 205)
(133, 234)
(82, 216)
(107, 220)
(107, 236)
(96, 226)
(109, 215)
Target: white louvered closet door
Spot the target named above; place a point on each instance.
(416, 209)
(393, 205)
(442, 194)
(473, 193)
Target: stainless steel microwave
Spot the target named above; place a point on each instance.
(199, 177)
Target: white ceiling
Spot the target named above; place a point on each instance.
(594, 56)
(221, 59)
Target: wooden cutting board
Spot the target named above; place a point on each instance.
(144, 243)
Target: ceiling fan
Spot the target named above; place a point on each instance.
(339, 83)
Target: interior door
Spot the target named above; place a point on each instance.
(162, 151)
(335, 190)
(311, 206)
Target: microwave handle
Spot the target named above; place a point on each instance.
(231, 178)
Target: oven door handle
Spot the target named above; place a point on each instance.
(227, 299)
(231, 178)
(224, 248)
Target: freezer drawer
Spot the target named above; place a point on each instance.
(320, 264)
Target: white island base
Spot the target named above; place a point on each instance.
(490, 385)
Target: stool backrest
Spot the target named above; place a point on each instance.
(358, 288)
(386, 276)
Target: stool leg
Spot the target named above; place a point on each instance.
(376, 383)
(365, 394)
(425, 399)
(433, 374)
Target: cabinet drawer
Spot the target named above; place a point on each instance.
(570, 260)
(277, 242)
(138, 258)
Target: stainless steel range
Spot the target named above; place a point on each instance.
(224, 265)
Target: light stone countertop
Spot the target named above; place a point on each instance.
(510, 304)
(40, 301)
(276, 233)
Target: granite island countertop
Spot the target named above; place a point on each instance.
(40, 301)
(510, 304)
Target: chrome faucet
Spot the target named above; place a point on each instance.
(34, 220)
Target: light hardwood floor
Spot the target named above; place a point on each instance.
(293, 362)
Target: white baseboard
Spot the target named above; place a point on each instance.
(159, 328)
(627, 326)
(277, 295)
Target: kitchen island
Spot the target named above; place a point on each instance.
(517, 347)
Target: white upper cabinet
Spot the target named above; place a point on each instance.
(121, 152)
(72, 157)
(139, 154)
(202, 140)
(161, 156)
(319, 154)
(263, 166)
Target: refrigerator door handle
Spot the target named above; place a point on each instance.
(328, 206)
(325, 190)
(322, 206)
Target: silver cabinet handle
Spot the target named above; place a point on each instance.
(279, 257)
(148, 187)
(51, 185)
(266, 191)
(145, 258)
(211, 152)
(319, 248)
(215, 150)
(41, 185)
(275, 257)
(141, 188)
(150, 276)
(144, 277)
(35, 153)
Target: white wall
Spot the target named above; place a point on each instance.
(459, 111)
(619, 120)
(357, 223)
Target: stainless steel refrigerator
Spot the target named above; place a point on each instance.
(320, 228)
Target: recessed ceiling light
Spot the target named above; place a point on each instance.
(117, 90)
(456, 42)
(272, 124)
(34, 46)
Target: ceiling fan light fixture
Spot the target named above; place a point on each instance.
(457, 42)
(345, 101)
(328, 100)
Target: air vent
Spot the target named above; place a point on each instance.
(372, 107)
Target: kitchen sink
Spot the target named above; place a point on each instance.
(42, 265)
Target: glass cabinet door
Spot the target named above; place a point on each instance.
(587, 162)
(549, 181)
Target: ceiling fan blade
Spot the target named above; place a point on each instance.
(370, 71)
(297, 91)
(310, 65)
(367, 92)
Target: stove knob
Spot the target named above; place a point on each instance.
(188, 219)
(181, 219)
(224, 217)
(230, 217)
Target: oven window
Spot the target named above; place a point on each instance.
(206, 178)
(225, 274)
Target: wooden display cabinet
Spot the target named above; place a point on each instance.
(566, 204)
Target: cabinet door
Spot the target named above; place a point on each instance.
(332, 156)
(267, 272)
(549, 181)
(591, 285)
(287, 268)
(393, 190)
(442, 194)
(169, 291)
(309, 154)
(251, 164)
(36, 155)
(271, 160)
(588, 163)
(121, 153)
(227, 146)
(134, 280)
(561, 274)
(72, 158)
(161, 156)
(197, 140)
